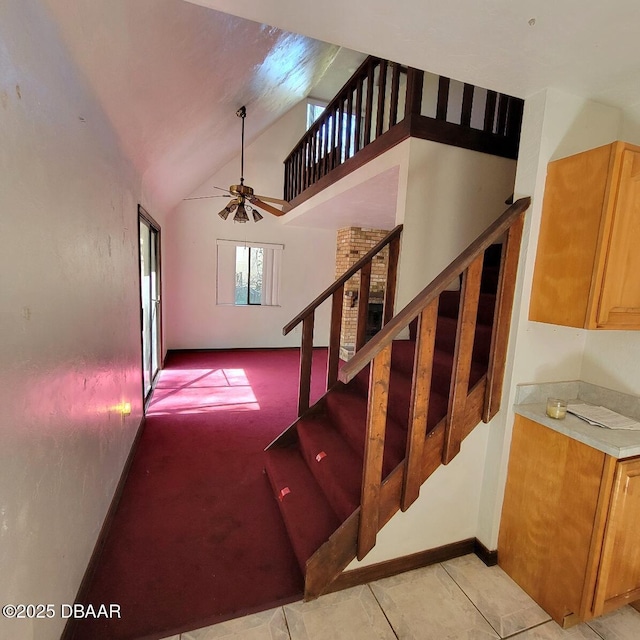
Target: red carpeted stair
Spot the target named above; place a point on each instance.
(317, 480)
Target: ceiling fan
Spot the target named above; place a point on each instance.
(243, 194)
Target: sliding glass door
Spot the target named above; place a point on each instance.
(150, 299)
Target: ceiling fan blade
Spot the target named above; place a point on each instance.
(286, 207)
(227, 194)
(222, 195)
(267, 207)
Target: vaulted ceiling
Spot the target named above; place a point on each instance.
(170, 74)
(518, 47)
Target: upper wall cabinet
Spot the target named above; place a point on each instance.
(587, 271)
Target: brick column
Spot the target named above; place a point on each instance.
(352, 244)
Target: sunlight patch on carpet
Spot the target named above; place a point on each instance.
(189, 391)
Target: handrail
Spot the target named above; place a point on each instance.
(331, 289)
(393, 328)
(336, 292)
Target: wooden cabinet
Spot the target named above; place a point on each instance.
(570, 521)
(587, 270)
(619, 576)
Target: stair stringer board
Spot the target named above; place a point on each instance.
(331, 559)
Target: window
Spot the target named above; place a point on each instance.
(314, 111)
(248, 273)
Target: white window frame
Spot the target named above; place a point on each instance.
(311, 102)
(226, 272)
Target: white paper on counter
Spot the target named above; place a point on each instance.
(603, 417)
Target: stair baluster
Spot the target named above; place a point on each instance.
(374, 451)
(420, 393)
(469, 297)
(501, 325)
(333, 357)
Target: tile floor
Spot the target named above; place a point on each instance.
(460, 599)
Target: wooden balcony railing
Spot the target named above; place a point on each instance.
(377, 352)
(382, 104)
(336, 293)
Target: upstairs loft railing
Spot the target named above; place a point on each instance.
(377, 353)
(336, 293)
(384, 103)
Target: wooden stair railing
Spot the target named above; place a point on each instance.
(377, 352)
(336, 293)
(380, 499)
(381, 105)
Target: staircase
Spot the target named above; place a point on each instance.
(399, 408)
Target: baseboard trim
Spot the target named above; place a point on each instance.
(489, 557)
(395, 566)
(69, 630)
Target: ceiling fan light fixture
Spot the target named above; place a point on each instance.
(230, 208)
(241, 214)
(243, 194)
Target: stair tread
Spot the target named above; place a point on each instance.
(308, 516)
(399, 392)
(450, 302)
(446, 338)
(402, 354)
(348, 410)
(442, 371)
(334, 464)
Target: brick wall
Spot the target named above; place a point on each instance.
(353, 243)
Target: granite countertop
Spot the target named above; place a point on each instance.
(531, 402)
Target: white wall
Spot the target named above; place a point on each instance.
(452, 196)
(192, 318)
(555, 125)
(69, 318)
(611, 360)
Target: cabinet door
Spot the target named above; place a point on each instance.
(572, 211)
(619, 304)
(549, 510)
(619, 577)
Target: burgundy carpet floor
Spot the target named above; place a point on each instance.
(197, 537)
